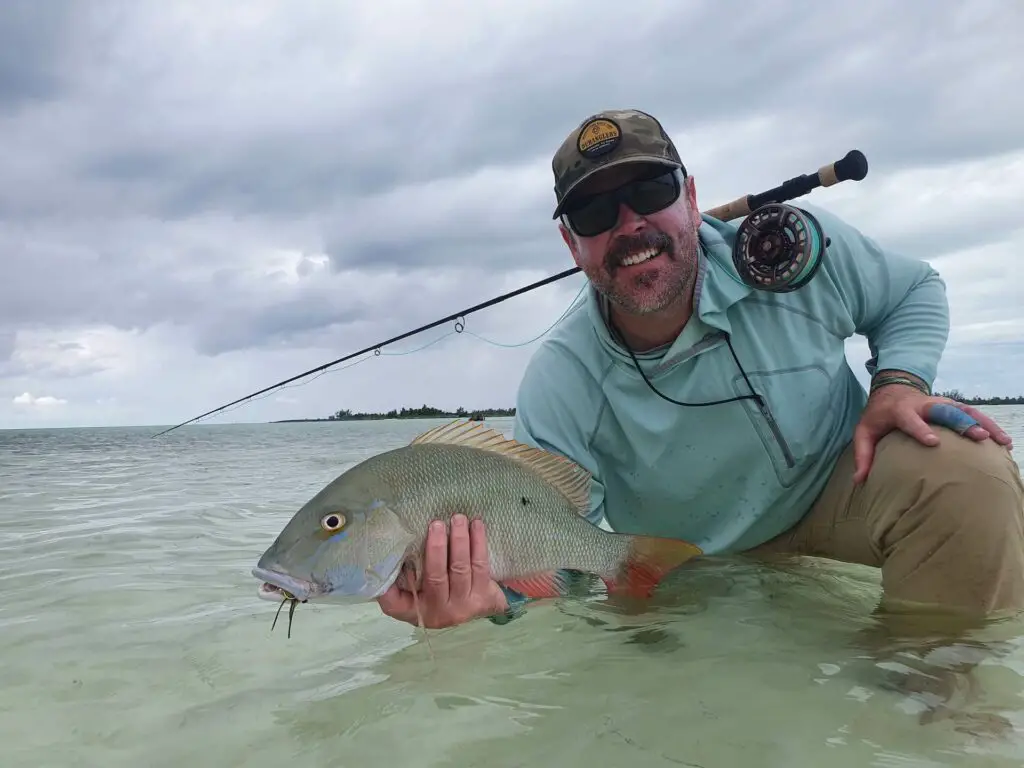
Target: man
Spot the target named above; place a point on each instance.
(727, 416)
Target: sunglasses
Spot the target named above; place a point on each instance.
(593, 214)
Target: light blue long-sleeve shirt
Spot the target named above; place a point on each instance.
(729, 477)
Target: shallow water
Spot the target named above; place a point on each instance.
(132, 635)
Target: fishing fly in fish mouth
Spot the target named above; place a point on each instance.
(366, 529)
(307, 562)
(291, 612)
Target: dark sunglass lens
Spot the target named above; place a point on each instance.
(594, 216)
(653, 195)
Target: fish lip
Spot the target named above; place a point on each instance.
(299, 588)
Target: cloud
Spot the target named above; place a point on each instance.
(199, 200)
(44, 401)
(30, 65)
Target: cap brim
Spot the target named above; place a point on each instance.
(632, 159)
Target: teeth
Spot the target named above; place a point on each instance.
(642, 256)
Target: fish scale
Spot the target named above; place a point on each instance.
(545, 533)
(352, 538)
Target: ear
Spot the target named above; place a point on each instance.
(690, 190)
(570, 241)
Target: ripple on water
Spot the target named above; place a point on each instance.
(132, 636)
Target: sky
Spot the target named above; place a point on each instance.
(198, 200)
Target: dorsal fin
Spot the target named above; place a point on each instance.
(567, 477)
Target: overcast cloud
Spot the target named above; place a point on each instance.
(197, 199)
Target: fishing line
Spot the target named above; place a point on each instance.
(777, 249)
(460, 329)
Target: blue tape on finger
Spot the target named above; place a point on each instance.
(950, 416)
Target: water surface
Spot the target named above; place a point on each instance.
(132, 636)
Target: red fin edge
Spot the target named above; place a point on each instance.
(540, 585)
(650, 559)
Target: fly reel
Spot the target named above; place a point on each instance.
(778, 248)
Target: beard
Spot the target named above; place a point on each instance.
(643, 290)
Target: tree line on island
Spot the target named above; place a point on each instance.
(430, 412)
(960, 397)
(423, 412)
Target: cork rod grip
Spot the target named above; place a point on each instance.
(729, 211)
(854, 167)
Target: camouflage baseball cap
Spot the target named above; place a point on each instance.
(612, 137)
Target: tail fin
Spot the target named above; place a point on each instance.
(649, 560)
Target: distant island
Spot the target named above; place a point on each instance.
(423, 412)
(429, 412)
(955, 394)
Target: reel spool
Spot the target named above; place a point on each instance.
(778, 248)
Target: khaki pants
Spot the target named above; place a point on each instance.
(944, 523)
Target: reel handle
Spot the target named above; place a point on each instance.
(853, 166)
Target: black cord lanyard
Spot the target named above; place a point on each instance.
(752, 396)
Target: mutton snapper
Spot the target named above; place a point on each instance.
(351, 541)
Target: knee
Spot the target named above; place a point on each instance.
(955, 461)
(973, 485)
(949, 522)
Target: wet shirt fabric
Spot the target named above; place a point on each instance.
(729, 477)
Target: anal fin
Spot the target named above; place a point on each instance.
(540, 585)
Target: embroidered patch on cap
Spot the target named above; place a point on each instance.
(598, 137)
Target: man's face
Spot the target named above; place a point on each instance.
(663, 244)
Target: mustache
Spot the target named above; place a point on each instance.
(624, 246)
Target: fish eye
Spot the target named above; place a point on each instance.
(332, 522)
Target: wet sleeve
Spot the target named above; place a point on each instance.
(898, 303)
(555, 411)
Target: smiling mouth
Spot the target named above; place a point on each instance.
(640, 257)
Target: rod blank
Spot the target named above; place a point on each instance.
(853, 166)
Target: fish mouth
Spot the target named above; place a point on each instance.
(278, 586)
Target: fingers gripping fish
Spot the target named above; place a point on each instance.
(355, 537)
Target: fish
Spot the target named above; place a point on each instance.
(366, 529)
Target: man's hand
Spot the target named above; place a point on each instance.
(898, 406)
(457, 585)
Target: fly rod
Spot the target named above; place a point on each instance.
(779, 239)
